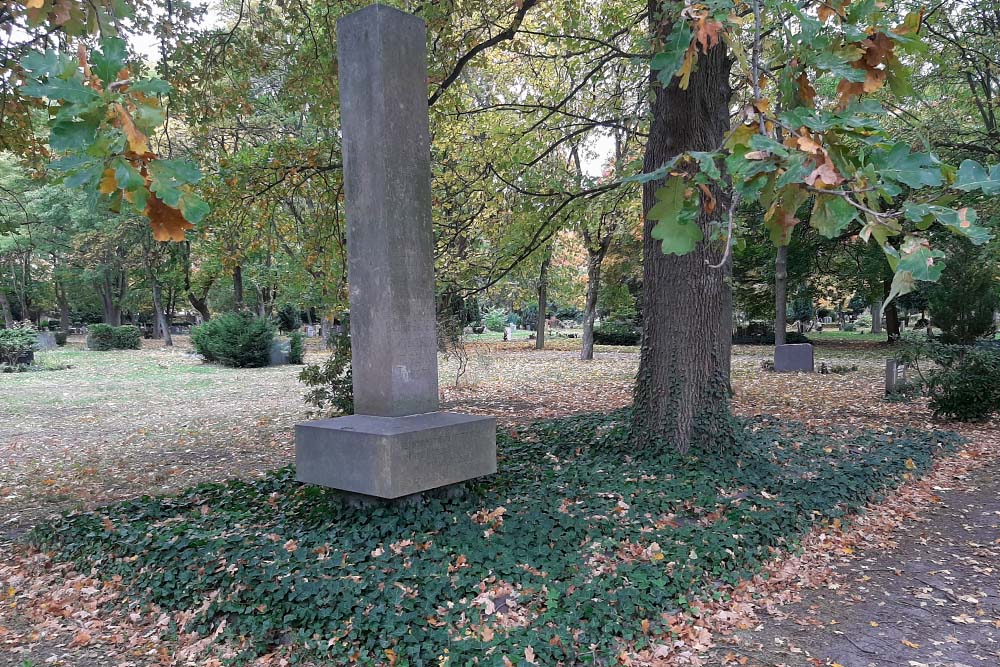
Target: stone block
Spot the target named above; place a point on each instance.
(46, 341)
(392, 457)
(280, 353)
(794, 358)
(895, 375)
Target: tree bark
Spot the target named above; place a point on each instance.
(543, 293)
(238, 287)
(682, 387)
(201, 305)
(8, 316)
(780, 294)
(161, 318)
(594, 261)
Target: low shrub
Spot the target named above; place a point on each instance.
(239, 340)
(849, 326)
(127, 338)
(331, 385)
(616, 333)
(496, 319)
(964, 382)
(296, 348)
(61, 338)
(864, 321)
(578, 540)
(17, 344)
(101, 337)
(104, 337)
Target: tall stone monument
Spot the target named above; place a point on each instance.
(397, 443)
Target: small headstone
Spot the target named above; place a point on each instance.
(46, 341)
(895, 375)
(310, 331)
(795, 358)
(280, 352)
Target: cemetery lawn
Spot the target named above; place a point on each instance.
(521, 558)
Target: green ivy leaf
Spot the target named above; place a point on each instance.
(676, 214)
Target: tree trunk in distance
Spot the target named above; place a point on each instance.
(590, 306)
(8, 316)
(543, 290)
(682, 387)
(161, 318)
(780, 294)
(891, 315)
(876, 307)
(238, 287)
(201, 305)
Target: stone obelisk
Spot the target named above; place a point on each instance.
(397, 443)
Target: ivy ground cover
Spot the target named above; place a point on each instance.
(574, 553)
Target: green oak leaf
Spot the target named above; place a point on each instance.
(676, 214)
(62, 90)
(973, 176)
(671, 58)
(110, 60)
(68, 135)
(831, 215)
(127, 176)
(193, 208)
(918, 258)
(915, 170)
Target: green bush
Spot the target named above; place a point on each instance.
(331, 386)
(296, 348)
(849, 326)
(963, 301)
(963, 384)
(239, 340)
(496, 319)
(101, 337)
(104, 337)
(61, 338)
(288, 318)
(16, 343)
(127, 338)
(865, 321)
(616, 333)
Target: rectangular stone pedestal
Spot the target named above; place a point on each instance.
(392, 457)
(794, 358)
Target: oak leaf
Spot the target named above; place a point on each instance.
(137, 141)
(167, 222)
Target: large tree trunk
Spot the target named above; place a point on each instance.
(8, 316)
(590, 305)
(876, 307)
(682, 388)
(238, 287)
(780, 294)
(543, 295)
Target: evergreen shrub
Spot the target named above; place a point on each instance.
(238, 340)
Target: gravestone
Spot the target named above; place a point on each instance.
(797, 357)
(280, 353)
(397, 443)
(46, 341)
(895, 375)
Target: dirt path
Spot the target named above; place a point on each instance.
(931, 599)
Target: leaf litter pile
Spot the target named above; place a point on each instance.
(628, 564)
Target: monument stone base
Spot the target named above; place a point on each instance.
(393, 457)
(794, 358)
